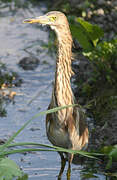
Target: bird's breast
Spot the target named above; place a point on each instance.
(57, 135)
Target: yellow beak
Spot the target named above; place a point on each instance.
(40, 20)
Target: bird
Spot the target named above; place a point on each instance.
(65, 128)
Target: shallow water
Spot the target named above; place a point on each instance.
(16, 38)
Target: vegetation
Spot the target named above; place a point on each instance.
(8, 168)
(100, 87)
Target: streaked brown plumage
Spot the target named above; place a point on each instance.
(65, 128)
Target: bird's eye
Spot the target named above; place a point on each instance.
(52, 18)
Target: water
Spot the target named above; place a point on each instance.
(16, 39)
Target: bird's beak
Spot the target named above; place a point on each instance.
(41, 20)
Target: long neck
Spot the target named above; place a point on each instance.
(63, 91)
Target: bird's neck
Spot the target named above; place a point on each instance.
(62, 88)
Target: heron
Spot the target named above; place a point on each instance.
(66, 128)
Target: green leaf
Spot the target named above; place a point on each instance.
(87, 34)
(106, 149)
(93, 32)
(45, 147)
(113, 153)
(9, 169)
(80, 34)
(109, 164)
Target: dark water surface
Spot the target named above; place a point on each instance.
(16, 39)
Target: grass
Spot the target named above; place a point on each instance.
(9, 169)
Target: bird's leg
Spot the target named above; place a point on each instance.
(69, 166)
(63, 163)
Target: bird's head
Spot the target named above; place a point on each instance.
(55, 19)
